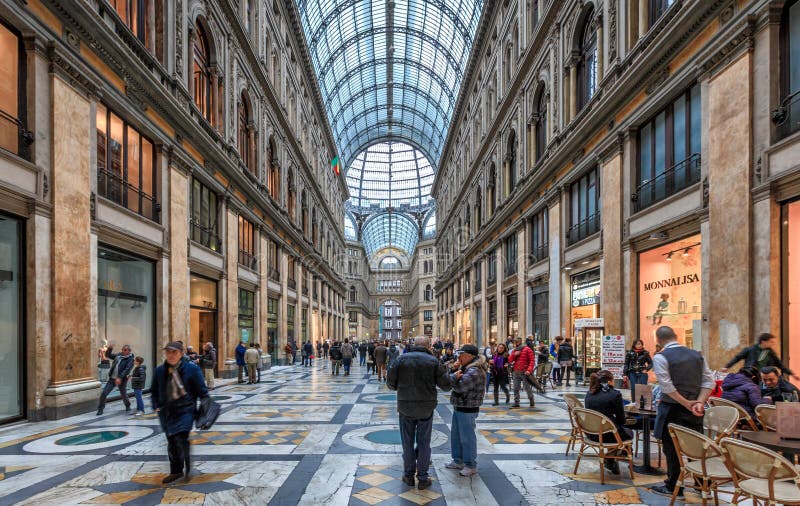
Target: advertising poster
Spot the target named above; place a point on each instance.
(612, 354)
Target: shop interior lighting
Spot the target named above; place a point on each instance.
(685, 249)
(669, 257)
(686, 252)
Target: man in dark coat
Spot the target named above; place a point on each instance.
(760, 355)
(118, 377)
(242, 365)
(415, 376)
(177, 385)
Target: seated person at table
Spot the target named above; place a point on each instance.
(774, 386)
(603, 398)
(742, 388)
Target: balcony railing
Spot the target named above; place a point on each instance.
(584, 228)
(787, 115)
(305, 290)
(538, 253)
(292, 283)
(676, 178)
(477, 287)
(205, 236)
(511, 268)
(274, 274)
(248, 260)
(491, 279)
(112, 187)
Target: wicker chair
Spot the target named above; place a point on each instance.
(592, 423)
(720, 422)
(575, 433)
(702, 462)
(766, 417)
(761, 474)
(744, 417)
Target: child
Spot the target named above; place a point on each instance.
(662, 308)
(138, 378)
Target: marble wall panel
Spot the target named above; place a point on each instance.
(178, 261)
(611, 263)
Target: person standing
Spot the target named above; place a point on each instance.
(336, 358)
(177, 385)
(347, 356)
(467, 382)
(685, 382)
(499, 368)
(304, 353)
(556, 375)
(392, 354)
(260, 364)
(637, 363)
(362, 353)
(121, 365)
(760, 355)
(521, 360)
(208, 363)
(308, 353)
(289, 353)
(566, 357)
(488, 353)
(251, 358)
(319, 349)
(380, 359)
(325, 348)
(138, 379)
(240, 363)
(415, 376)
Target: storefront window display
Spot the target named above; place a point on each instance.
(272, 329)
(492, 320)
(202, 312)
(125, 305)
(511, 315)
(541, 315)
(290, 323)
(247, 304)
(11, 339)
(791, 282)
(585, 303)
(304, 324)
(670, 290)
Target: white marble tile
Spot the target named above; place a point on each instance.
(537, 485)
(333, 481)
(61, 496)
(460, 490)
(45, 467)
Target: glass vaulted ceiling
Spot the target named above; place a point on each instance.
(389, 69)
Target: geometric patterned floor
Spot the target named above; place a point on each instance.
(305, 437)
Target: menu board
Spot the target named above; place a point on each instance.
(612, 354)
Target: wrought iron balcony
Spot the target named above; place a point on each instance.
(676, 178)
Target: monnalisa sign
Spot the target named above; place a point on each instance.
(581, 323)
(676, 281)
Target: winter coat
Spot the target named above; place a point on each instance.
(138, 377)
(415, 376)
(209, 359)
(392, 354)
(522, 359)
(252, 356)
(637, 361)
(124, 365)
(756, 356)
(336, 352)
(469, 389)
(177, 415)
(308, 349)
(566, 353)
(776, 393)
(608, 401)
(499, 369)
(240, 351)
(380, 354)
(741, 390)
(347, 351)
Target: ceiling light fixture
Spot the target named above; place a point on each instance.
(686, 252)
(568, 268)
(669, 257)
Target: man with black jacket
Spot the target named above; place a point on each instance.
(118, 377)
(761, 355)
(415, 376)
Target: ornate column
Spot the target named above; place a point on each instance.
(644, 15)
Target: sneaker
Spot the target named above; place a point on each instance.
(663, 490)
(409, 480)
(424, 483)
(455, 465)
(514, 406)
(468, 471)
(171, 477)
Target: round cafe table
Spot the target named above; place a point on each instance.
(645, 415)
(772, 441)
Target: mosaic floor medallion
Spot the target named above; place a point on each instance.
(88, 439)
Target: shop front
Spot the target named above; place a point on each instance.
(11, 319)
(247, 310)
(585, 303)
(125, 306)
(492, 321)
(670, 292)
(539, 301)
(272, 330)
(512, 316)
(791, 282)
(202, 312)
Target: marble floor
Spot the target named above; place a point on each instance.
(303, 436)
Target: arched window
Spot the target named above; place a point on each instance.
(245, 134)
(511, 163)
(304, 213)
(291, 201)
(540, 125)
(274, 179)
(202, 73)
(468, 222)
(477, 211)
(389, 263)
(428, 293)
(790, 69)
(490, 186)
(587, 64)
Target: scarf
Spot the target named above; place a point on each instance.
(175, 388)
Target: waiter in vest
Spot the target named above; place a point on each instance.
(686, 382)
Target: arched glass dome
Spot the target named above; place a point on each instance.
(350, 228)
(390, 174)
(429, 229)
(389, 230)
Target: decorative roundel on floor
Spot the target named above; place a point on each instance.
(227, 398)
(88, 439)
(389, 398)
(384, 438)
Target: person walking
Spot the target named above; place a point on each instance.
(336, 358)
(241, 365)
(415, 376)
(499, 367)
(685, 382)
(392, 355)
(347, 356)
(308, 353)
(208, 362)
(380, 359)
(251, 358)
(121, 365)
(304, 354)
(362, 353)
(521, 361)
(760, 355)
(319, 349)
(637, 363)
(566, 357)
(325, 348)
(466, 380)
(138, 380)
(177, 385)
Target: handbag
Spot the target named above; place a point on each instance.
(207, 414)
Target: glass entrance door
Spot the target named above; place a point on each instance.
(11, 341)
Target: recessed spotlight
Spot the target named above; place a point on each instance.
(567, 268)
(669, 257)
(585, 262)
(686, 252)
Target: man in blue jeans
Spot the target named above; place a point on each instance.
(415, 376)
(467, 382)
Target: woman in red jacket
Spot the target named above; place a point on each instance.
(522, 361)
